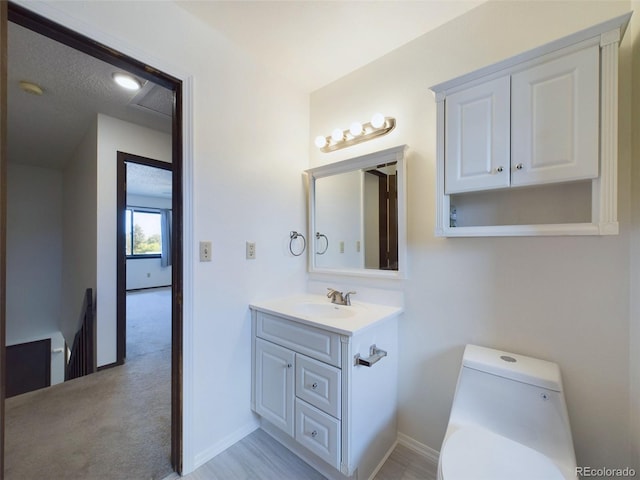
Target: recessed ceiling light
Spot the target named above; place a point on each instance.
(127, 81)
(31, 87)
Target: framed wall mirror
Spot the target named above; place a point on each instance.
(357, 216)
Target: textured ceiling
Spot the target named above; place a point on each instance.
(44, 130)
(150, 181)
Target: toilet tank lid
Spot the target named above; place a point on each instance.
(513, 366)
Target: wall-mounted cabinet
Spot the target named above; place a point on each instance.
(546, 120)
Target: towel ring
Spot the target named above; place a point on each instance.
(326, 242)
(292, 236)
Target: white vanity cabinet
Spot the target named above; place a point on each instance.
(545, 119)
(311, 396)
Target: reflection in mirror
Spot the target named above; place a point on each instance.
(356, 219)
(357, 215)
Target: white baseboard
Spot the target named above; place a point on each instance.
(219, 447)
(384, 459)
(428, 453)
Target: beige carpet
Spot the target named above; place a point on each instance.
(114, 424)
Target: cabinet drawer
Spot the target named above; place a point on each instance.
(318, 432)
(318, 384)
(310, 341)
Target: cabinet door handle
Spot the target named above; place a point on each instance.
(314, 434)
(315, 385)
(519, 166)
(499, 169)
(289, 365)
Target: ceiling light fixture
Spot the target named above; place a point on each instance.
(31, 87)
(127, 81)
(356, 133)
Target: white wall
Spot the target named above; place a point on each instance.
(339, 217)
(247, 185)
(634, 337)
(79, 232)
(561, 299)
(34, 252)
(147, 272)
(147, 201)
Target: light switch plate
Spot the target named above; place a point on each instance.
(251, 250)
(205, 251)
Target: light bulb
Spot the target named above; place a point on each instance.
(320, 141)
(355, 129)
(127, 81)
(337, 135)
(378, 120)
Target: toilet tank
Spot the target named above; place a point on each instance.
(514, 396)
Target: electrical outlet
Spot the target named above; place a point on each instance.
(341, 246)
(251, 250)
(205, 251)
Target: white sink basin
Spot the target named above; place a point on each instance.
(325, 310)
(312, 309)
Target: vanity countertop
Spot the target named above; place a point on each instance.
(318, 311)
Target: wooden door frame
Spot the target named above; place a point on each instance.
(3, 216)
(42, 25)
(121, 308)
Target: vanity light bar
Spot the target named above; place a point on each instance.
(356, 133)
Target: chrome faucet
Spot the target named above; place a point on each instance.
(339, 298)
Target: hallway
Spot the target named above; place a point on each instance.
(110, 425)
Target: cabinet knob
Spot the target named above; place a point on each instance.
(289, 365)
(519, 166)
(314, 434)
(315, 385)
(499, 169)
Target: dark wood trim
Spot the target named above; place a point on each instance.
(28, 19)
(383, 234)
(177, 272)
(108, 366)
(144, 289)
(388, 221)
(121, 259)
(149, 162)
(3, 217)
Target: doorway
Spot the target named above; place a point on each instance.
(145, 228)
(43, 26)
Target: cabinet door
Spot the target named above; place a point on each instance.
(477, 137)
(274, 384)
(555, 120)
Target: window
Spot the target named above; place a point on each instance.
(143, 232)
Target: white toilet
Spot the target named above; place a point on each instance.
(508, 421)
